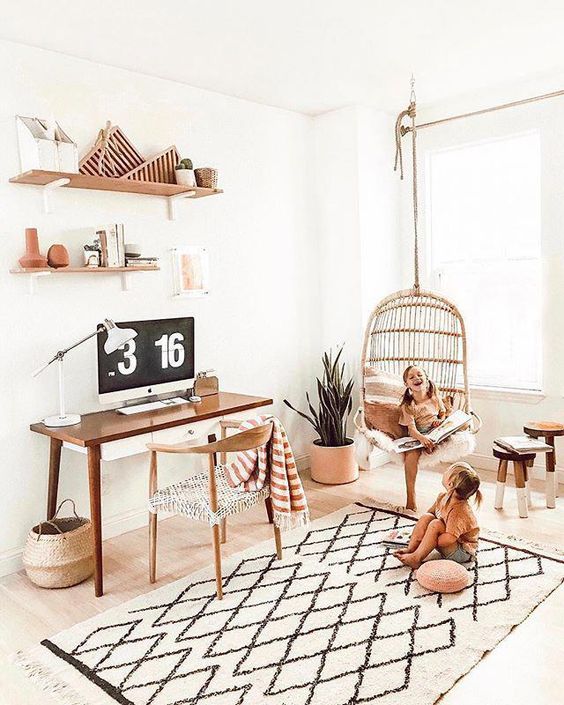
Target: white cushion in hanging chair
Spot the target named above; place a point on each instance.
(454, 448)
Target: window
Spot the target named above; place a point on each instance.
(484, 221)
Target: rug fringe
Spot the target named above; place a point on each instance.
(42, 677)
(485, 533)
(378, 504)
(520, 542)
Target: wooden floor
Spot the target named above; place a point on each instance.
(525, 668)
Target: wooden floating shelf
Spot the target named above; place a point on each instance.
(83, 270)
(36, 273)
(37, 177)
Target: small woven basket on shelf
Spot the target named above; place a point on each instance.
(59, 553)
(206, 177)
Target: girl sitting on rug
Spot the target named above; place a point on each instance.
(421, 409)
(449, 525)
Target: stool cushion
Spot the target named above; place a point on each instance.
(442, 576)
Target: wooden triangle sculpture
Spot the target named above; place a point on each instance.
(159, 168)
(112, 155)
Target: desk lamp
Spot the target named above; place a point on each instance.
(116, 338)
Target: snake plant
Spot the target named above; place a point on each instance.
(334, 403)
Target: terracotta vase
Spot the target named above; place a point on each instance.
(58, 256)
(333, 465)
(32, 259)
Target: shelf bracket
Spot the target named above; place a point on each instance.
(57, 183)
(171, 200)
(125, 282)
(33, 281)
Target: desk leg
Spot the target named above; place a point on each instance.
(153, 520)
(54, 467)
(96, 516)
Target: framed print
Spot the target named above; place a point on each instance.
(190, 265)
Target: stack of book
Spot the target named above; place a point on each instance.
(141, 261)
(112, 245)
(522, 445)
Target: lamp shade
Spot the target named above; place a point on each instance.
(117, 336)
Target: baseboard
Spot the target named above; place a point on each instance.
(132, 519)
(537, 472)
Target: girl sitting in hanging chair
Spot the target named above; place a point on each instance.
(421, 410)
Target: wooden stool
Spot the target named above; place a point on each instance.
(521, 471)
(547, 430)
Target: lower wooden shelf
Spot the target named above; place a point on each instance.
(35, 273)
(82, 270)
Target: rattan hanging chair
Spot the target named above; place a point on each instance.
(417, 327)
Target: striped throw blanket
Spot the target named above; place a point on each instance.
(273, 464)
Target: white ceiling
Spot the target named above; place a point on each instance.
(305, 55)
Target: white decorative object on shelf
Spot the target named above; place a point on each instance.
(191, 271)
(45, 145)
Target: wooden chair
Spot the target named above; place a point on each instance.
(207, 496)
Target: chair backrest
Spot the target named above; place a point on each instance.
(414, 327)
(246, 440)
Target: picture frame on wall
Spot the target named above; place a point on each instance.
(191, 271)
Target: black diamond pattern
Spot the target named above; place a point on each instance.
(340, 621)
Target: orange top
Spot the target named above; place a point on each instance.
(459, 520)
(421, 416)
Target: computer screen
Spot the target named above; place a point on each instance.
(159, 359)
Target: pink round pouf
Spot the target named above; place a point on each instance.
(442, 576)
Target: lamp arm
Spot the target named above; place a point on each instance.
(62, 353)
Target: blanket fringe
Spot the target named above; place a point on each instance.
(42, 677)
(286, 521)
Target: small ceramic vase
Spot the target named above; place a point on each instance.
(32, 259)
(58, 256)
(185, 177)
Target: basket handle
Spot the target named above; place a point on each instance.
(61, 504)
(51, 523)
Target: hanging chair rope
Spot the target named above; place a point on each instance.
(401, 131)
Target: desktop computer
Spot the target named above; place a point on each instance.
(159, 360)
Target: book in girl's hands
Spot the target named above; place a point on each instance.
(397, 537)
(457, 420)
(522, 444)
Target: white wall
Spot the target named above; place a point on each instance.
(357, 202)
(505, 415)
(260, 326)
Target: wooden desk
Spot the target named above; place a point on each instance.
(107, 426)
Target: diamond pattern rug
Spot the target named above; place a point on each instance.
(339, 621)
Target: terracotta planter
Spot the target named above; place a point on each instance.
(333, 465)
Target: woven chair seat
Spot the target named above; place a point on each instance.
(190, 498)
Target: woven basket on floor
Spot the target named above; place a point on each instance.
(59, 553)
(206, 177)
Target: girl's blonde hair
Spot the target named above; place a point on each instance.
(407, 397)
(465, 482)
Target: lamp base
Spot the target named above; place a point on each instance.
(66, 420)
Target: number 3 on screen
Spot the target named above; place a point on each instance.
(129, 364)
(172, 350)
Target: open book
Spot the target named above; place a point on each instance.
(457, 420)
(523, 444)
